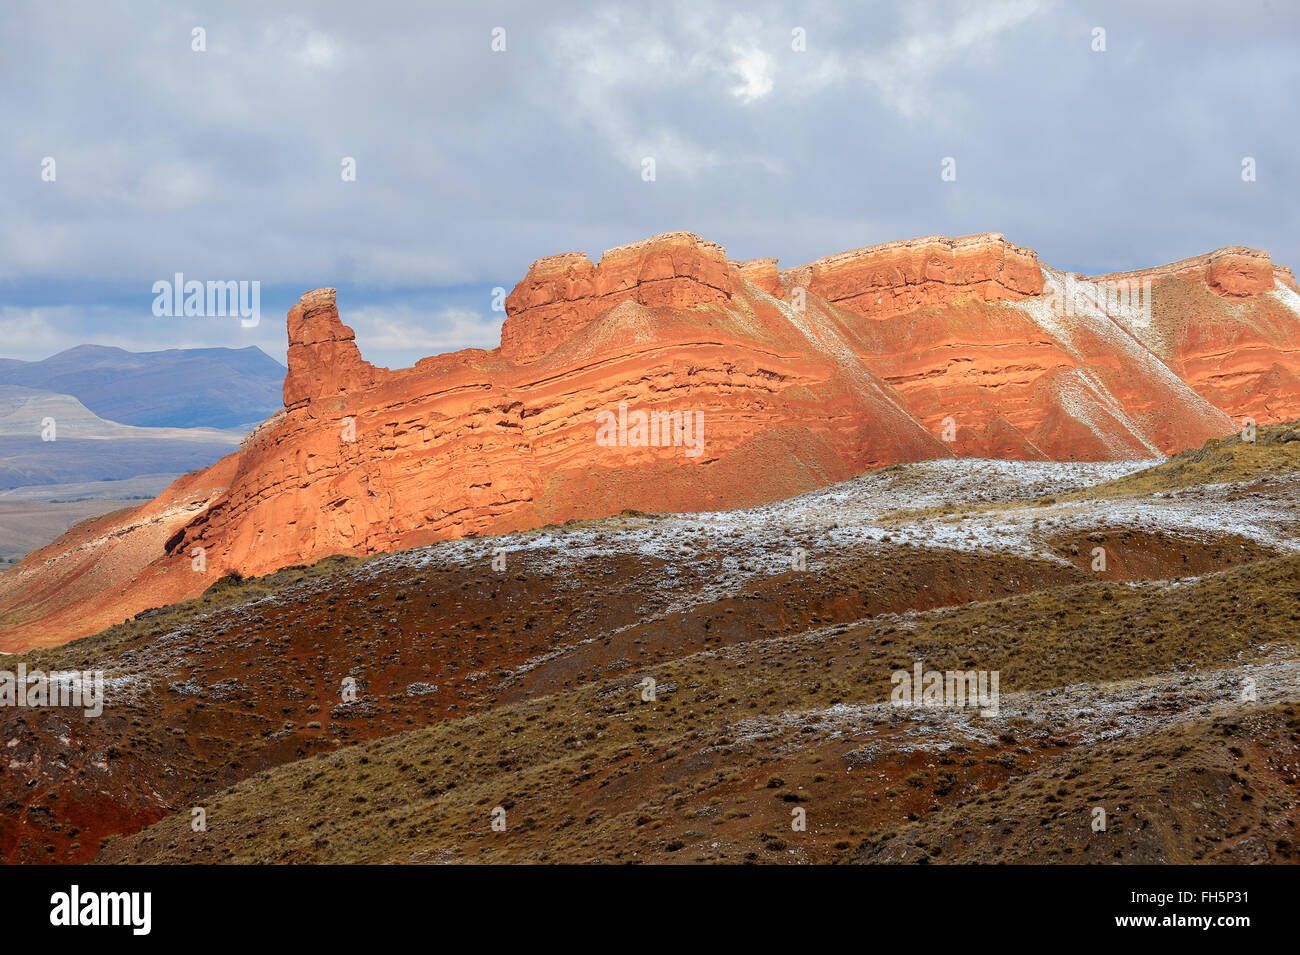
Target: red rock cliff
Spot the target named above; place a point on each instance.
(323, 355)
(1234, 272)
(898, 277)
(898, 352)
(562, 293)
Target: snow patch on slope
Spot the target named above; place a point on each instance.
(1069, 310)
(1082, 394)
(1286, 295)
(1085, 712)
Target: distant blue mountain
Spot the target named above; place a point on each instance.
(232, 388)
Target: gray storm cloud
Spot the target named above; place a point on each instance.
(470, 163)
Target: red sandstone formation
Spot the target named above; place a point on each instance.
(323, 356)
(898, 277)
(562, 293)
(898, 352)
(762, 274)
(1225, 323)
(1234, 272)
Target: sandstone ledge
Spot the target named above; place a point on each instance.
(1231, 272)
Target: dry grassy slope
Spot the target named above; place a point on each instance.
(26, 525)
(233, 704)
(247, 677)
(1221, 789)
(1275, 450)
(739, 736)
(1274, 453)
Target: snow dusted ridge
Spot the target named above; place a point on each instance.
(1083, 712)
(728, 549)
(967, 505)
(843, 515)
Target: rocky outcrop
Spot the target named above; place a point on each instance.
(323, 355)
(666, 378)
(1224, 323)
(1231, 272)
(762, 274)
(472, 443)
(1235, 274)
(562, 293)
(899, 277)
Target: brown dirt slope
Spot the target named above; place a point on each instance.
(522, 688)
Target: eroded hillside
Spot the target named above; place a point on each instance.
(521, 687)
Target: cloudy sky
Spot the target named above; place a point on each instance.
(226, 163)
